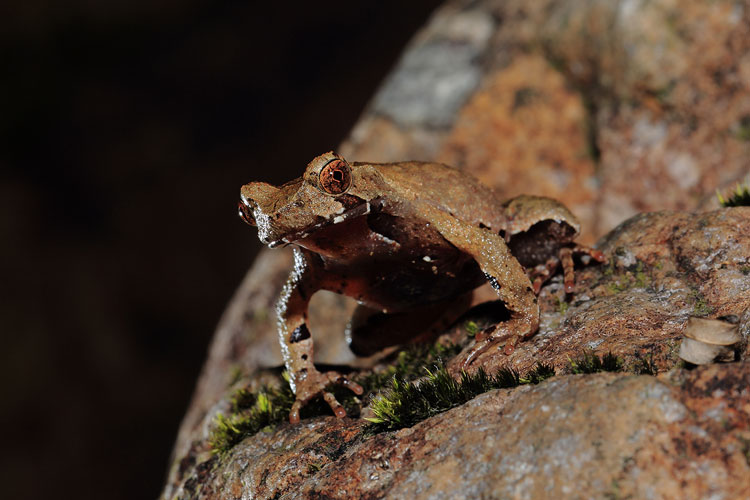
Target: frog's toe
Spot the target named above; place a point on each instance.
(493, 337)
(475, 352)
(337, 378)
(336, 407)
(315, 385)
(595, 254)
(294, 412)
(569, 275)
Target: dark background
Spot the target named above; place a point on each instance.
(126, 130)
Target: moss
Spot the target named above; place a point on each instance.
(242, 399)
(745, 270)
(409, 363)
(745, 449)
(524, 96)
(235, 374)
(740, 197)
(407, 403)
(700, 306)
(540, 373)
(471, 328)
(313, 468)
(616, 287)
(562, 305)
(645, 366)
(662, 95)
(633, 276)
(742, 131)
(641, 278)
(591, 363)
(252, 412)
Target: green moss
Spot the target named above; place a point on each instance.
(742, 131)
(740, 197)
(407, 403)
(662, 94)
(632, 277)
(471, 328)
(252, 412)
(562, 305)
(745, 270)
(745, 449)
(700, 307)
(645, 366)
(235, 375)
(313, 468)
(269, 408)
(641, 278)
(591, 363)
(243, 399)
(540, 373)
(409, 364)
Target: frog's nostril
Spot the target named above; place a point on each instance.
(245, 213)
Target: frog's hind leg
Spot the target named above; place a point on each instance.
(372, 330)
(566, 260)
(504, 273)
(541, 273)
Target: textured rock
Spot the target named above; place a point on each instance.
(574, 436)
(525, 131)
(614, 108)
(665, 267)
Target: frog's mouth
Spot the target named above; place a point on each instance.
(348, 214)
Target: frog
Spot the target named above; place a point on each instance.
(406, 240)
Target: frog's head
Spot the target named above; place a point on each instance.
(330, 191)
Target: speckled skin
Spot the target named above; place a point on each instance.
(397, 237)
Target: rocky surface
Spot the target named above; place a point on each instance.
(598, 436)
(614, 108)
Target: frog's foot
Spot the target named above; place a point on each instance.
(566, 259)
(491, 337)
(541, 273)
(314, 384)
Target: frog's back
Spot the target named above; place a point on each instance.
(449, 189)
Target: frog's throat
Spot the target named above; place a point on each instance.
(356, 211)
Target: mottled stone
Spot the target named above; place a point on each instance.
(592, 436)
(433, 79)
(525, 131)
(664, 268)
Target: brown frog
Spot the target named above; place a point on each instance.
(405, 240)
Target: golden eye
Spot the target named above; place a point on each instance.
(336, 177)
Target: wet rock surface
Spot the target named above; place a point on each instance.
(565, 99)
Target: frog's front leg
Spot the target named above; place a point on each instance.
(297, 344)
(505, 274)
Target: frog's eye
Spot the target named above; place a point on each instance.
(336, 177)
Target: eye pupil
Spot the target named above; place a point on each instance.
(335, 177)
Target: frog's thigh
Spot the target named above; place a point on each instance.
(504, 272)
(372, 330)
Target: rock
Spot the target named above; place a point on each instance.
(593, 436)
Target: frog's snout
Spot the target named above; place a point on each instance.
(246, 212)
